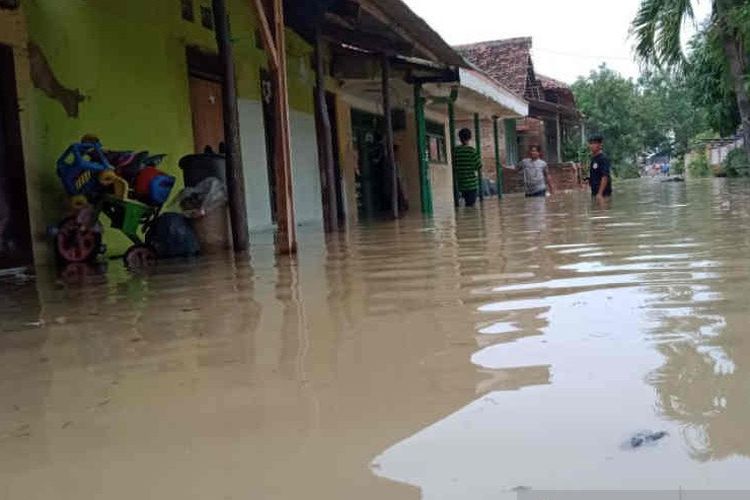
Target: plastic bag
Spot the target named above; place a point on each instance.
(171, 235)
(210, 194)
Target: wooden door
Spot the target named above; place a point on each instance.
(208, 115)
(15, 234)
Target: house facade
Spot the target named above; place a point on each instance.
(146, 76)
(553, 123)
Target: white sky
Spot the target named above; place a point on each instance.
(570, 37)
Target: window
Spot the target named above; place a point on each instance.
(188, 11)
(437, 152)
(207, 17)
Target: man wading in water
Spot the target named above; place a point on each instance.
(467, 163)
(600, 177)
(536, 179)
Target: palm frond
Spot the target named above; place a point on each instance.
(657, 30)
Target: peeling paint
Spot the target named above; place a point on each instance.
(45, 80)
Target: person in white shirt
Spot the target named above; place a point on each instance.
(536, 178)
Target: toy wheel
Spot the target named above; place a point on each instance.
(140, 257)
(75, 244)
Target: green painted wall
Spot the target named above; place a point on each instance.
(128, 59)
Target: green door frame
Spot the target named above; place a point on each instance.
(498, 163)
(423, 161)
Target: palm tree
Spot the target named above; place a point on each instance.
(657, 29)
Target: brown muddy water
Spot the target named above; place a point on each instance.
(517, 346)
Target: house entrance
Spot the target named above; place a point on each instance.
(15, 233)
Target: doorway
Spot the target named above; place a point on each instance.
(269, 125)
(206, 100)
(15, 232)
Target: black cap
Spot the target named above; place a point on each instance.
(596, 138)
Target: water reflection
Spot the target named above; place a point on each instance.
(636, 299)
(460, 357)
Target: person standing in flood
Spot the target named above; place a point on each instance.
(600, 173)
(536, 179)
(466, 164)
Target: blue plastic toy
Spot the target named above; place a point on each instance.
(79, 175)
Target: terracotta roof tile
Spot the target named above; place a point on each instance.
(507, 61)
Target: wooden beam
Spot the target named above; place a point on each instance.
(269, 44)
(234, 170)
(286, 235)
(559, 138)
(390, 155)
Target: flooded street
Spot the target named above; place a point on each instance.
(520, 346)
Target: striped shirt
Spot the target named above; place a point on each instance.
(466, 165)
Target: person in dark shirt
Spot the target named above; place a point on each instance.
(600, 173)
(467, 163)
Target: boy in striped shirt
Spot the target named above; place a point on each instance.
(466, 164)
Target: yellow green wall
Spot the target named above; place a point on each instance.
(128, 59)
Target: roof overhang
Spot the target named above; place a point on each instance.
(382, 26)
(474, 92)
(498, 96)
(546, 109)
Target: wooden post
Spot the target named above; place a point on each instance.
(390, 154)
(328, 174)
(424, 166)
(559, 139)
(274, 43)
(235, 174)
(478, 144)
(583, 134)
(498, 163)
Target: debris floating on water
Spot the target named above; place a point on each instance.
(645, 438)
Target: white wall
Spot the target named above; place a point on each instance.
(308, 203)
(254, 159)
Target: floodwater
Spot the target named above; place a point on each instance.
(517, 346)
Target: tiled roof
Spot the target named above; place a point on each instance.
(551, 84)
(507, 61)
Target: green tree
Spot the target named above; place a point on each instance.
(611, 106)
(670, 117)
(709, 86)
(657, 28)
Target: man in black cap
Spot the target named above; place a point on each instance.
(600, 173)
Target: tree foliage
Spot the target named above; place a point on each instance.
(652, 115)
(717, 68)
(709, 83)
(610, 105)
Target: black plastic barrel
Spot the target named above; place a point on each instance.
(196, 168)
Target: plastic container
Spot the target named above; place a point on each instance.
(196, 168)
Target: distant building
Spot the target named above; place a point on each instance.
(554, 121)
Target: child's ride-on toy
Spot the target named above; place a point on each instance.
(95, 188)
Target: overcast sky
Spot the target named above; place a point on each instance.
(570, 37)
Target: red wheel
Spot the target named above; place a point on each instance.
(140, 257)
(75, 243)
